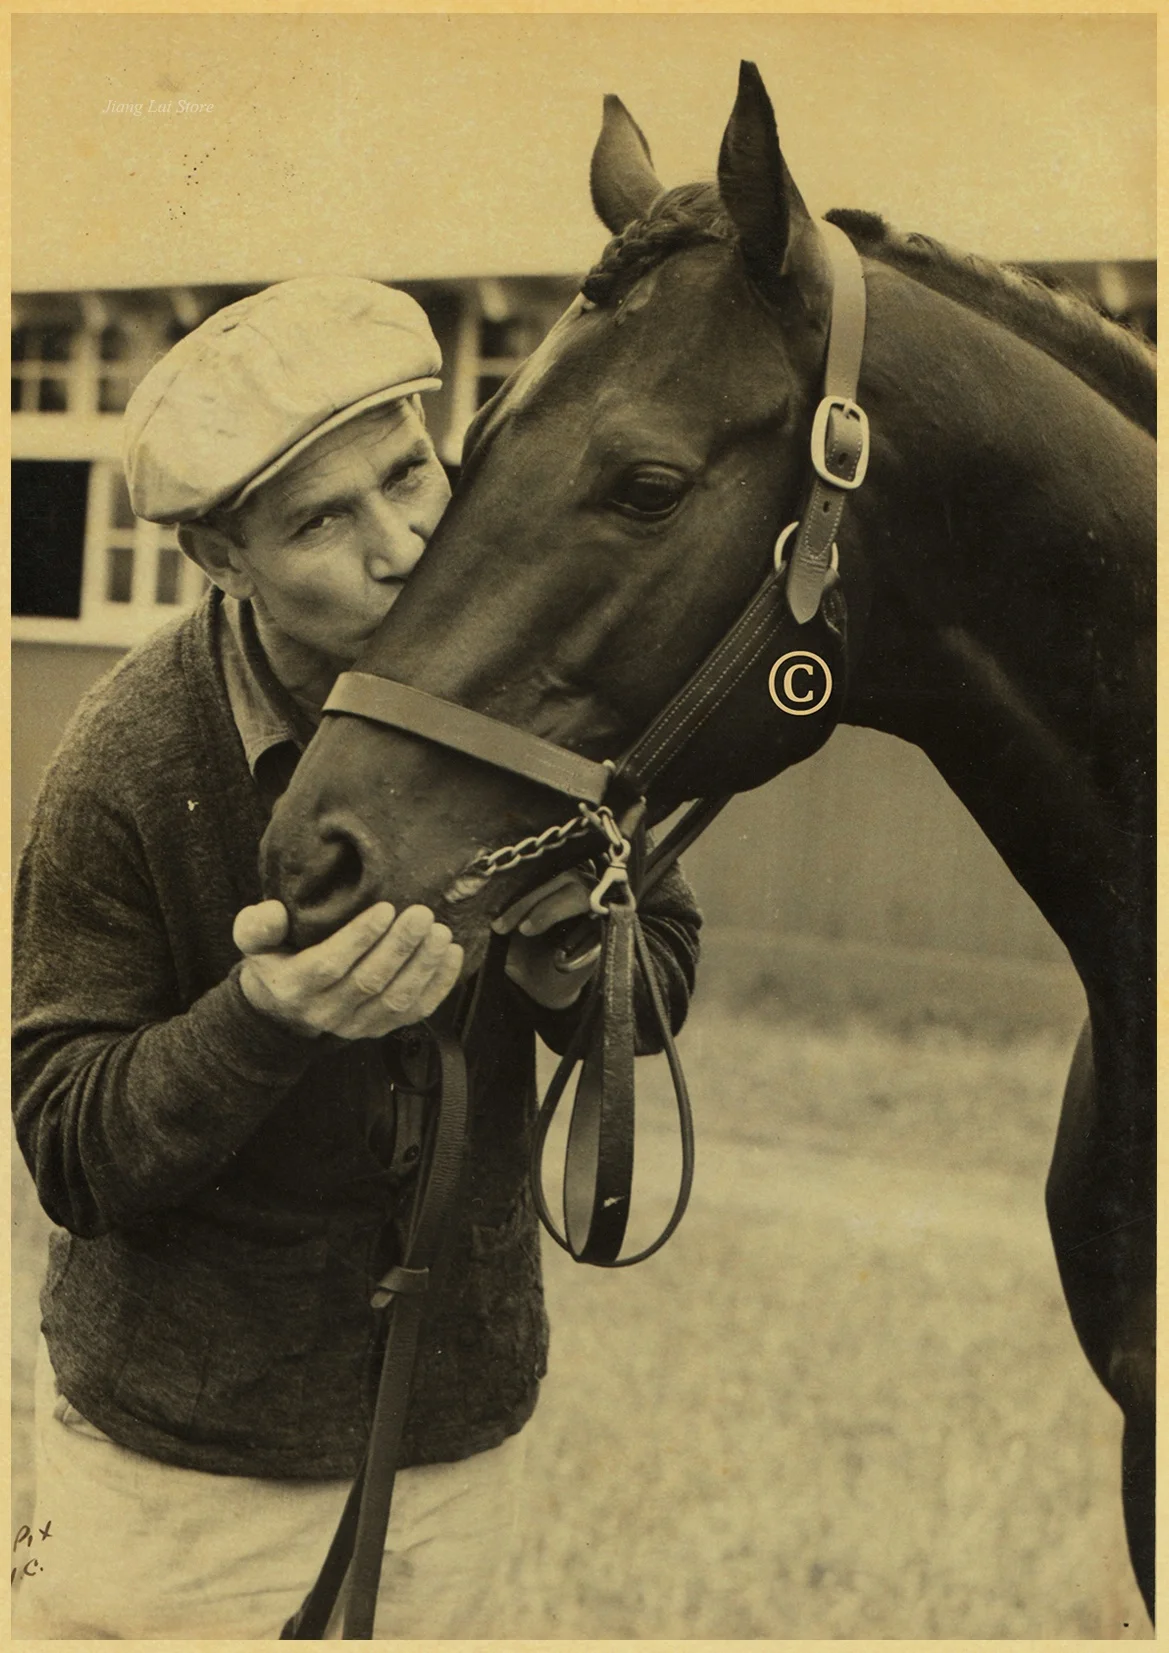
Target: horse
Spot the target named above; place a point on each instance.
(987, 594)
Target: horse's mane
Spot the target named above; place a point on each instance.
(690, 216)
(1110, 358)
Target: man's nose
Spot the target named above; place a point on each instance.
(392, 544)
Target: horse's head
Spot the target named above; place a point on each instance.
(620, 501)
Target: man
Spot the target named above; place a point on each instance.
(211, 1122)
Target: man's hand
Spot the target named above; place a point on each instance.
(532, 961)
(380, 972)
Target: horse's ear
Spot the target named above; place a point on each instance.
(622, 177)
(765, 206)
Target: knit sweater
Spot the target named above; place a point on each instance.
(224, 1206)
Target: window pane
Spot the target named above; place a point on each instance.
(112, 344)
(56, 344)
(504, 338)
(51, 396)
(48, 536)
(19, 343)
(166, 582)
(488, 384)
(16, 395)
(112, 395)
(119, 573)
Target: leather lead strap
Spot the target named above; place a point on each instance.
(439, 1188)
(311, 1619)
(598, 1165)
(598, 1170)
(359, 1541)
(680, 837)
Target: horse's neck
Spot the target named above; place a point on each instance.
(1008, 528)
(1115, 362)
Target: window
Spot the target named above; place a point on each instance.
(503, 345)
(499, 323)
(85, 569)
(49, 504)
(44, 368)
(114, 381)
(136, 575)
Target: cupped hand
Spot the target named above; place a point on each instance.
(381, 971)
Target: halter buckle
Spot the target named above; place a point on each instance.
(842, 443)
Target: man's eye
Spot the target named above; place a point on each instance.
(313, 525)
(649, 491)
(404, 475)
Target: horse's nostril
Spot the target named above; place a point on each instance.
(348, 863)
(333, 887)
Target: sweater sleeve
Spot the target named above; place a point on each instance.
(670, 922)
(125, 1099)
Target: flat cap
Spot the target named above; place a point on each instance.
(247, 391)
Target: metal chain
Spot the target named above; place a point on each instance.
(528, 849)
(552, 838)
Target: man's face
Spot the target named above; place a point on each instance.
(329, 541)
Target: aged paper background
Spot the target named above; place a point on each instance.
(435, 144)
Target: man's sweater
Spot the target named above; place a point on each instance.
(225, 1207)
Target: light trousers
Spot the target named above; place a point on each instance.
(140, 1550)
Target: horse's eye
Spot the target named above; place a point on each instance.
(649, 491)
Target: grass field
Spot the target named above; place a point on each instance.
(845, 1400)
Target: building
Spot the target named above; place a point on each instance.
(85, 571)
(89, 580)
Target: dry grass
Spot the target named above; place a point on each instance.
(845, 1401)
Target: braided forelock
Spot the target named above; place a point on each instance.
(690, 216)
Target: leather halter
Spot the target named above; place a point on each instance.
(776, 618)
(839, 451)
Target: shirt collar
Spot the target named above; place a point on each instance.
(265, 714)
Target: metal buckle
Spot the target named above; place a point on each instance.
(780, 553)
(851, 410)
(781, 545)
